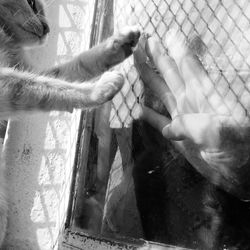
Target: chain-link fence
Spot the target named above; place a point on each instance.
(223, 26)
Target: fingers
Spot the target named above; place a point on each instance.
(177, 129)
(153, 81)
(140, 54)
(201, 129)
(155, 119)
(175, 42)
(199, 87)
(166, 66)
(182, 127)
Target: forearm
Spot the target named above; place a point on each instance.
(85, 66)
(155, 119)
(22, 91)
(93, 62)
(98, 59)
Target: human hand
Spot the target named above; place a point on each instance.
(212, 131)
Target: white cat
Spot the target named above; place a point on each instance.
(65, 87)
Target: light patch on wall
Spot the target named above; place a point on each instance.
(64, 21)
(37, 214)
(43, 236)
(41, 147)
(61, 46)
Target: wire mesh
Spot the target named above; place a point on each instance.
(222, 28)
(222, 25)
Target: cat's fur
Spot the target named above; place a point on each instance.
(23, 24)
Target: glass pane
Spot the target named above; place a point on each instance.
(138, 184)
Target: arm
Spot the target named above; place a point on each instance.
(22, 91)
(98, 59)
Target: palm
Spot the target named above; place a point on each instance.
(210, 130)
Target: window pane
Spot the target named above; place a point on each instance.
(136, 183)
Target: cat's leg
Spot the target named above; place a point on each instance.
(22, 91)
(100, 58)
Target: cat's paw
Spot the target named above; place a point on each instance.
(126, 40)
(107, 87)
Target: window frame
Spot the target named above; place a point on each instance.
(69, 237)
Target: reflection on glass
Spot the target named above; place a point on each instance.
(168, 162)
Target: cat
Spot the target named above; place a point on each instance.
(23, 23)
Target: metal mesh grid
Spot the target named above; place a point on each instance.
(223, 26)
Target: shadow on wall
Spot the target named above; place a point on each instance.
(39, 147)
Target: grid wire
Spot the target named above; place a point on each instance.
(222, 25)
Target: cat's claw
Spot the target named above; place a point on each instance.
(130, 35)
(127, 39)
(107, 87)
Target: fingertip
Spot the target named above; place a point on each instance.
(165, 131)
(170, 37)
(154, 48)
(169, 133)
(139, 52)
(138, 112)
(175, 42)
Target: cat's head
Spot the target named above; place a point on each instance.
(24, 21)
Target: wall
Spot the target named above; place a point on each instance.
(40, 147)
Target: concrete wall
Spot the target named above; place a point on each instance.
(40, 148)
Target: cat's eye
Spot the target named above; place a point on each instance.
(32, 4)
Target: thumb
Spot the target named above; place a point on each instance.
(201, 128)
(174, 130)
